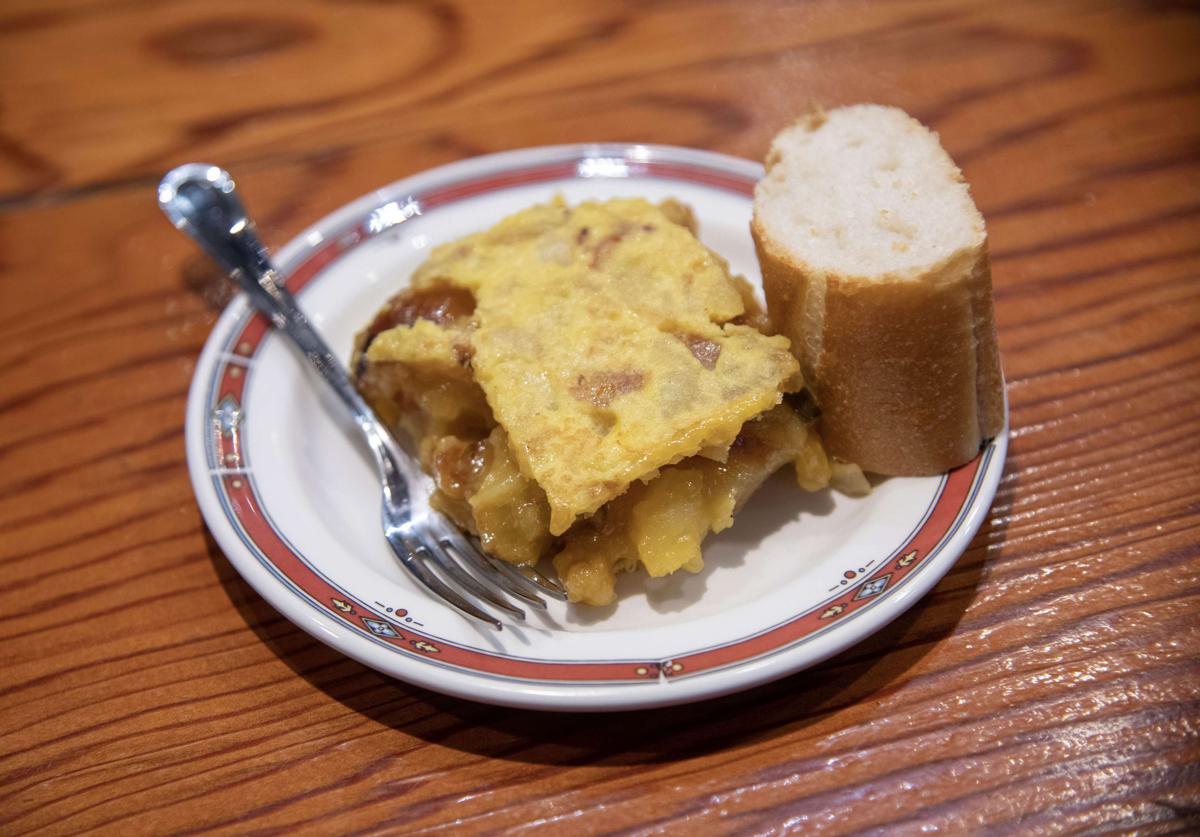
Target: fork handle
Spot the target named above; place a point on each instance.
(202, 201)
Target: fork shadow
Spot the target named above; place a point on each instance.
(873, 668)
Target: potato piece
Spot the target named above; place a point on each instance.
(813, 471)
(849, 479)
(589, 564)
(669, 522)
(511, 512)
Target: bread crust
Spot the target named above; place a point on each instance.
(905, 369)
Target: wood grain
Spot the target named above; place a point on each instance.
(1048, 684)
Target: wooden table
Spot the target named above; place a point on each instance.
(1049, 683)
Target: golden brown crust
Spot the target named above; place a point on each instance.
(906, 371)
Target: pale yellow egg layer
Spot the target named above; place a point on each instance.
(602, 341)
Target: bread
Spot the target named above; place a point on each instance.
(875, 266)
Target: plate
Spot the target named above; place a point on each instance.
(291, 495)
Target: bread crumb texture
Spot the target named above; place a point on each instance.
(866, 192)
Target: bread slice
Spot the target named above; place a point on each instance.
(875, 265)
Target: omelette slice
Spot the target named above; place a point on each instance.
(580, 382)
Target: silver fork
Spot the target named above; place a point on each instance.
(202, 201)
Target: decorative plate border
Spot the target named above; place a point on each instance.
(227, 464)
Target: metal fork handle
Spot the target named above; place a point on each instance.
(202, 202)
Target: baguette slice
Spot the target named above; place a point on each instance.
(875, 266)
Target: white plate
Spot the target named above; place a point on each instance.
(292, 498)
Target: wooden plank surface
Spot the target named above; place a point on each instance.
(1049, 683)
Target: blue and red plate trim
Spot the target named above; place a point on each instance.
(245, 510)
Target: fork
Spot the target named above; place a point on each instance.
(202, 201)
